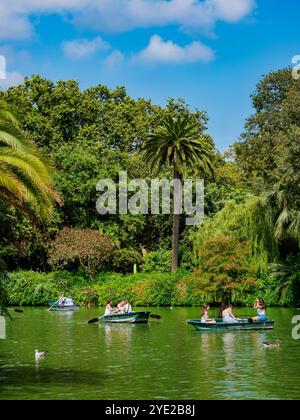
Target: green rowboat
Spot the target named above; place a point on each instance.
(63, 308)
(130, 318)
(242, 325)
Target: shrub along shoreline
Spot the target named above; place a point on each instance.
(28, 288)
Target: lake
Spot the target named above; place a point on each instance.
(166, 359)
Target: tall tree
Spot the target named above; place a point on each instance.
(269, 154)
(180, 144)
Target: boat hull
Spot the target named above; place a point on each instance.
(243, 325)
(55, 307)
(131, 318)
(73, 308)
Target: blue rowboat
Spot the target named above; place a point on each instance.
(130, 318)
(242, 325)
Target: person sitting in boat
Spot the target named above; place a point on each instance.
(127, 307)
(109, 310)
(228, 316)
(69, 302)
(204, 315)
(62, 300)
(121, 307)
(261, 311)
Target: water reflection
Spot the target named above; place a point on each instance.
(229, 343)
(117, 343)
(24, 375)
(166, 359)
(117, 334)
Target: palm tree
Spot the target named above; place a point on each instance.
(25, 175)
(282, 216)
(179, 144)
(25, 180)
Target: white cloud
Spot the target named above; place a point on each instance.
(12, 79)
(84, 48)
(114, 60)
(160, 51)
(2, 67)
(122, 15)
(13, 24)
(14, 56)
(231, 10)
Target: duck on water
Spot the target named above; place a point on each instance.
(40, 355)
(272, 344)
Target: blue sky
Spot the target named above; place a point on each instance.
(210, 52)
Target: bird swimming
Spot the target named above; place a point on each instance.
(272, 344)
(40, 354)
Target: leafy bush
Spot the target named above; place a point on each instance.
(123, 260)
(87, 296)
(86, 249)
(3, 292)
(225, 273)
(281, 286)
(31, 288)
(142, 289)
(157, 262)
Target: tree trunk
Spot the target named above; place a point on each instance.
(176, 229)
(175, 242)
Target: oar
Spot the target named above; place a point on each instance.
(154, 316)
(93, 321)
(18, 311)
(53, 305)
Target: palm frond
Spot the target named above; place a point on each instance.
(280, 215)
(25, 174)
(178, 143)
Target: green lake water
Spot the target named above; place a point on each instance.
(166, 359)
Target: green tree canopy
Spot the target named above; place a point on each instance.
(269, 154)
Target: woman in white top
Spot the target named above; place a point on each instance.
(261, 311)
(62, 300)
(69, 302)
(204, 315)
(127, 307)
(228, 316)
(121, 307)
(109, 309)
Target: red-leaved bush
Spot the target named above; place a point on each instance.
(80, 248)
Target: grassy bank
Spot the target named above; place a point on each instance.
(144, 289)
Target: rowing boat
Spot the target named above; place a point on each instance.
(63, 308)
(130, 318)
(242, 325)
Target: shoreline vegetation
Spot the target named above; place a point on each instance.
(27, 288)
(58, 141)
